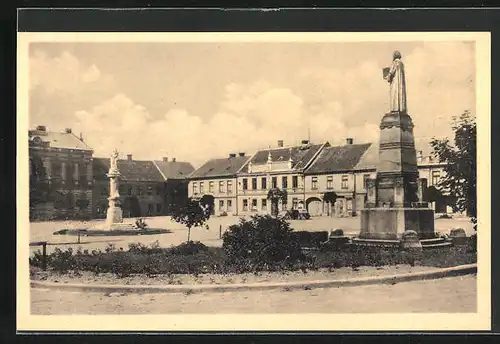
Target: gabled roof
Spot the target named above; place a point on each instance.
(222, 167)
(174, 169)
(130, 170)
(301, 155)
(338, 158)
(59, 140)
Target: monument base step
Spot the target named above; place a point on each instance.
(426, 243)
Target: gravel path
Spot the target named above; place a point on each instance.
(446, 295)
(285, 276)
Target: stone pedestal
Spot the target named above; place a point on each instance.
(391, 223)
(113, 215)
(393, 197)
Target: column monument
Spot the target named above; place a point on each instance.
(393, 206)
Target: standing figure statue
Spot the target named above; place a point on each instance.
(395, 75)
(114, 159)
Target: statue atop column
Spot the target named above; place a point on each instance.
(113, 161)
(395, 75)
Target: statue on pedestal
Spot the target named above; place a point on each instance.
(395, 75)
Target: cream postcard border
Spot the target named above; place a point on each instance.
(254, 322)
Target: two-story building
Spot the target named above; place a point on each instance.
(342, 170)
(345, 170)
(60, 175)
(279, 167)
(217, 178)
(141, 187)
(175, 175)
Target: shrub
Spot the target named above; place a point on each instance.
(261, 240)
(189, 248)
(223, 214)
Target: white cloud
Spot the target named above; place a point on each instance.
(64, 74)
(246, 122)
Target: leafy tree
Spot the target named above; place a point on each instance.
(275, 195)
(208, 201)
(193, 213)
(330, 198)
(460, 168)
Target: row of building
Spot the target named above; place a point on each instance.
(66, 181)
(240, 183)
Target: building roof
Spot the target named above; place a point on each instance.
(338, 158)
(130, 170)
(174, 169)
(56, 139)
(222, 167)
(301, 155)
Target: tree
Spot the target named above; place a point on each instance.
(191, 214)
(330, 198)
(208, 201)
(275, 195)
(460, 168)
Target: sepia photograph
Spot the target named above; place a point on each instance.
(321, 181)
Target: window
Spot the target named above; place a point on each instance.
(158, 191)
(221, 205)
(295, 202)
(129, 191)
(365, 180)
(195, 188)
(104, 192)
(245, 184)
(329, 182)
(245, 205)
(201, 188)
(229, 186)
(158, 208)
(264, 183)
(139, 191)
(274, 182)
(314, 183)
(229, 205)
(211, 187)
(345, 182)
(436, 176)
(150, 209)
(284, 182)
(254, 205)
(264, 204)
(221, 187)
(295, 182)
(150, 190)
(254, 183)
(121, 190)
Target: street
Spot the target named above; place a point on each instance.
(446, 295)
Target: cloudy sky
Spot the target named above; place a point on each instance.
(196, 101)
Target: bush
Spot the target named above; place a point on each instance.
(223, 214)
(189, 248)
(310, 239)
(261, 240)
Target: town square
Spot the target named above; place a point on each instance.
(244, 178)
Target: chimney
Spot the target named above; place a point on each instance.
(165, 159)
(232, 155)
(129, 156)
(280, 143)
(81, 137)
(242, 154)
(68, 130)
(174, 159)
(349, 141)
(41, 128)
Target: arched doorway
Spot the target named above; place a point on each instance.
(131, 207)
(314, 206)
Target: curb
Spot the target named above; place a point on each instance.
(104, 288)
